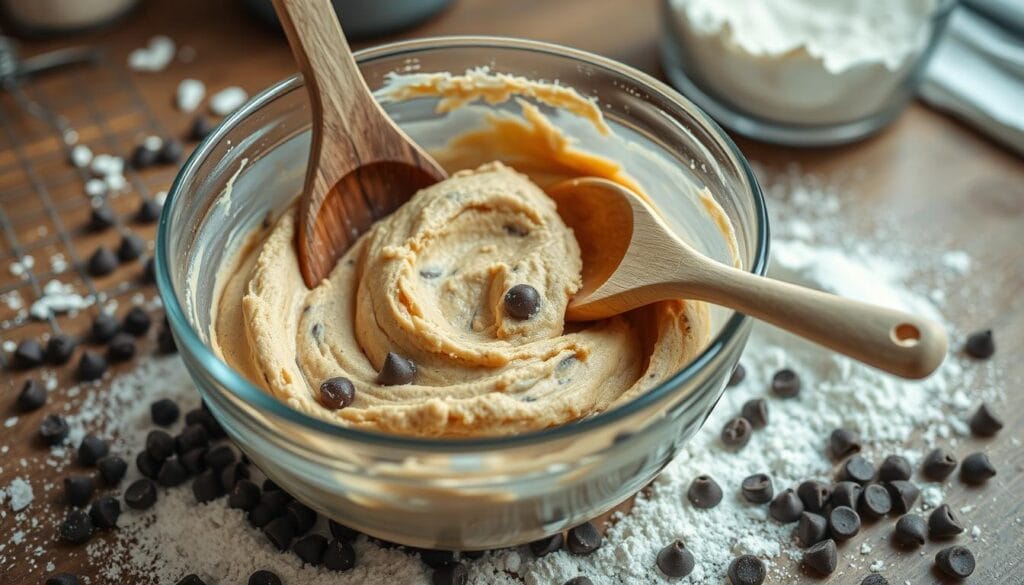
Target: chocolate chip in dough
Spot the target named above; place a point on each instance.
(547, 545)
(938, 465)
(875, 501)
(148, 212)
(62, 579)
(164, 412)
(843, 443)
(396, 370)
(451, 574)
(757, 488)
(91, 450)
(903, 495)
(141, 494)
(747, 570)
(78, 490)
(59, 349)
(112, 469)
(101, 218)
(944, 523)
(910, 532)
(858, 469)
(104, 328)
(583, 539)
(704, 492)
(812, 529)
(310, 549)
(102, 262)
(786, 383)
(980, 345)
(264, 578)
(814, 495)
(756, 412)
(956, 561)
(339, 556)
(121, 348)
(736, 432)
(522, 301)
(76, 528)
(739, 373)
(843, 523)
(53, 430)
(105, 511)
(822, 557)
(786, 507)
(136, 321)
(32, 396)
(984, 422)
(675, 560)
(874, 579)
(976, 469)
(91, 366)
(130, 248)
(893, 468)
(28, 354)
(846, 493)
(337, 393)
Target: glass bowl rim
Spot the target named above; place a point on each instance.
(238, 385)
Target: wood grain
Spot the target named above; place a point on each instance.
(947, 186)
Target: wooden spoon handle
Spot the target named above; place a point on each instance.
(890, 340)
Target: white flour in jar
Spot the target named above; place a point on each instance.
(803, 61)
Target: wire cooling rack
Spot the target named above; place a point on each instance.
(44, 208)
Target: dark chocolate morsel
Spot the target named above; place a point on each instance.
(843, 523)
(757, 488)
(944, 523)
(984, 422)
(675, 561)
(955, 561)
(938, 465)
(339, 556)
(812, 529)
(337, 393)
(843, 443)
(522, 301)
(547, 545)
(76, 528)
(786, 507)
(755, 411)
(736, 432)
(583, 539)
(903, 495)
(814, 495)
(786, 383)
(846, 493)
(858, 469)
(980, 345)
(704, 492)
(894, 467)
(396, 370)
(822, 557)
(910, 532)
(875, 501)
(747, 570)
(976, 469)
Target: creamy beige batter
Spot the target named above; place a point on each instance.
(428, 283)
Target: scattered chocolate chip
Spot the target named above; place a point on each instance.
(396, 370)
(53, 430)
(955, 561)
(121, 348)
(232, 474)
(102, 262)
(984, 422)
(843, 523)
(76, 528)
(200, 129)
(276, 499)
(261, 515)
(843, 443)
(453, 574)
(136, 321)
(339, 556)
(143, 157)
(786, 507)
(747, 570)
(172, 473)
(858, 469)
(337, 393)
(146, 465)
(191, 579)
(280, 532)
(130, 248)
(245, 495)
(812, 529)
(220, 457)
(910, 532)
(207, 487)
(301, 516)
(193, 436)
(194, 460)
(938, 465)
(310, 549)
(171, 151)
(980, 345)
(141, 494)
(203, 418)
(112, 469)
(894, 467)
(875, 501)
(342, 532)
(105, 511)
(976, 469)
(903, 495)
(28, 354)
(264, 578)
(149, 271)
(78, 490)
(675, 561)
(814, 495)
(736, 432)
(159, 445)
(756, 412)
(822, 557)
(32, 396)
(786, 383)
(739, 373)
(583, 539)
(164, 412)
(104, 327)
(62, 579)
(944, 523)
(59, 349)
(522, 301)
(149, 211)
(757, 488)
(874, 579)
(704, 492)
(101, 218)
(547, 545)
(434, 558)
(91, 450)
(846, 493)
(91, 366)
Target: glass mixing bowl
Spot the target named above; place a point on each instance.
(454, 494)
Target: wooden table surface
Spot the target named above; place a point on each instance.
(938, 179)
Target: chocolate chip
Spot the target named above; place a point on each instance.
(976, 469)
(203, 418)
(101, 218)
(786, 383)
(302, 516)
(193, 436)
(280, 532)
(955, 561)
(146, 465)
(910, 531)
(102, 262)
(875, 501)
(171, 151)
(984, 422)
(143, 157)
(739, 373)
(277, 499)
(245, 495)
(76, 528)
(28, 354)
(232, 474)
(337, 393)
(339, 556)
(200, 128)
(207, 487)
(165, 340)
(675, 561)
(944, 523)
(172, 473)
(903, 495)
(583, 539)
(149, 271)
(194, 460)
(938, 465)
(130, 248)
(453, 574)
(219, 457)
(522, 301)
(843, 523)
(547, 545)
(164, 412)
(846, 493)
(434, 558)
(736, 432)
(874, 579)
(858, 469)
(396, 370)
(757, 488)
(191, 579)
(112, 469)
(148, 212)
(159, 445)
(310, 549)
(843, 443)
(91, 450)
(814, 495)
(91, 366)
(136, 321)
(704, 492)
(104, 327)
(894, 468)
(141, 494)
(62, 579)
(980, 345)
(786, 507)
(53, 430)
(121, 348)
(756, 412)
(822, 557)
(261, 515)
(264, 578)
(32, 396)
(105, 511)
(747, 570)
(812, 529)
(59, 349)
(580, 580)
(78, 490)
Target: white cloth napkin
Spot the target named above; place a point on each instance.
(977, 71)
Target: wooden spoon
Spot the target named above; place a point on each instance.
(631, 258)
(362, 166)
